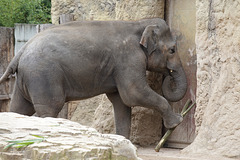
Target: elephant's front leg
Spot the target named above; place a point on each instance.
(122, 114)
(134, 91)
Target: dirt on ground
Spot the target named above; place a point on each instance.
(148, 153)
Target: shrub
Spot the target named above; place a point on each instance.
(24, 11)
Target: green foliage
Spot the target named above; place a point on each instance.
(24, 143)
(24, 11)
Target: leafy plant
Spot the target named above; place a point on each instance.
(24, 143)
(24, 11)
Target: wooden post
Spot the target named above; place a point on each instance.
(42, 27)
(6, 55)
(64, 18)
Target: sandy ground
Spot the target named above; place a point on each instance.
(172, 154)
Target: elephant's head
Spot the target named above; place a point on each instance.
(160, 49)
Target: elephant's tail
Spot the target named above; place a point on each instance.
(12, 67)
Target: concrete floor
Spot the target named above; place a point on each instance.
(172, 154)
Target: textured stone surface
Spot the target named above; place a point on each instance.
(218, 93)
(84, 9)
(107, 9)
(85, 110)
(104, 116)
(146, 124)
(64, 140)
(135, 9)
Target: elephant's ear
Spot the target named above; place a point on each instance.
(149, 38)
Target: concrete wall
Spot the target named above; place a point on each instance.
(22, 33)
(218, 79)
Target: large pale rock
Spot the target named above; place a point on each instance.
(64, 140)
(218, 94)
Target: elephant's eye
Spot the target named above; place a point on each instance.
(172, 51)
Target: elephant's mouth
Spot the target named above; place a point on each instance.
(165, 72)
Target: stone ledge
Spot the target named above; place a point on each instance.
(64, 140)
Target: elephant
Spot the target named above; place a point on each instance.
(82, 59)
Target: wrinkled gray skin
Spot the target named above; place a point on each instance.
(80, 60)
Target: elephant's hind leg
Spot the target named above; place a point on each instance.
(44, 110)
(122, 115)
(19, 104)
(48, 102)
(48, 105)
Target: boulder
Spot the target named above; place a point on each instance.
(63, 139)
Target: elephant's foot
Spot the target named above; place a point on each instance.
(172, 120)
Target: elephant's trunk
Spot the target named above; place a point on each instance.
(174, 86)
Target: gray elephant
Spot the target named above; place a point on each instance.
(79, 60)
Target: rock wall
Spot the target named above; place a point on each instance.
(135, 9)
(107, 9)
(60, 139)
(218, 92)
(98, 112)
(84, 9)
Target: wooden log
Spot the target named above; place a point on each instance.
(64, 18)
(6, 55)
(42, 27)
(4, 97)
